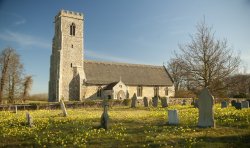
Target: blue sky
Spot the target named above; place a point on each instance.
(133, 31)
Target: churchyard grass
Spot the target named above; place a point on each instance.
(132, 127)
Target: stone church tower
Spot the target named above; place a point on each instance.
(66, 61)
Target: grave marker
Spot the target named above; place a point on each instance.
(206, 111)
(164, 102)
(105, 118)
(145, 101)
(245, 104)
(134, 101)
(155, 101)
(29, 119)
(64, 111)
(173, 118)
(223, 104)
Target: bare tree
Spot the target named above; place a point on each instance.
(27, 86)
(5, 58)
(14, 72)
(207, 61)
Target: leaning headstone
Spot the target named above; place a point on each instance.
(206, 111)
(134, 101)
(29, 120)
(164, 102)
(224, 104)
(63, 108)
(173, 118)
(155, 101)
(105, 118)
(238, 105)
(145, 101)
(233, 102)
(245, 104)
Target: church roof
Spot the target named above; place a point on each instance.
(130, 74)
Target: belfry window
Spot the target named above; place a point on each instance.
(72, 29)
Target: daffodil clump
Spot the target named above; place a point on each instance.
(128, 127)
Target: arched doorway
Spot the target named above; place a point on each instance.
(121, 95)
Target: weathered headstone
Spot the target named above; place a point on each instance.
(238, 105)
(233, 102)
(183, 102)
(29, 120)
(245, 104)
(105, 118)
(64, 111)
(206, 111)
(145, 101)
(164, 102)
(155, 101)
(134, 101)
(224, 104)
(173, 118)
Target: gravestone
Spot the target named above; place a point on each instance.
(238, 105)
(134, 101)
(233, 102)
(29, 120)
(196, 104)
(173, 118)
(145, 101)
(223, 104)
(63, 108)
(155, 101)
(245, 104)
(206, 111)
(184, 102)
(105, 118)
(164, 102)
(15, 111)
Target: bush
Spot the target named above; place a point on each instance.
(126, 102)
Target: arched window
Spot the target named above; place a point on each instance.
(72, 29)
(156, 91)
(99, 91)
(166, 91)
(139, 91)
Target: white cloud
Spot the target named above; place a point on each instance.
(24, 39)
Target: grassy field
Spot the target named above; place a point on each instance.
(140, 127)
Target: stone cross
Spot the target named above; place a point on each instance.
(29, 119)
(134, 99)
(155, 101)
(63, 108)
(105, 118)
(164, 102)
(224, 104)
(145, 101)
(173, 118)
(245, 104)
(206, 111)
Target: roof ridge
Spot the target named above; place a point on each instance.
(122, 64)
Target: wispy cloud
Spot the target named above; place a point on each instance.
(19, 20)
(24, 40)
(107, 57)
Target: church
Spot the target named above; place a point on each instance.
(73, 78)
